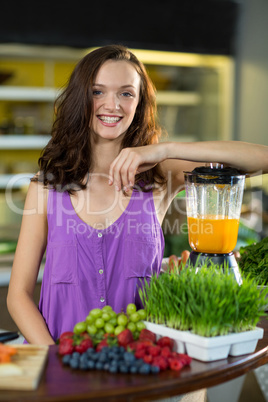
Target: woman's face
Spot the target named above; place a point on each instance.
(115, 98)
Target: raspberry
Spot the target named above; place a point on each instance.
(139, 354)
(165, 352)
(161, 362)
(143, 345)
(125, 337)
(185, 359)
(175, 364)
(154, 350)
(84, 345)
(101, 345)
(148, 359)
(146, 335)
(165, 341)
(66, 346)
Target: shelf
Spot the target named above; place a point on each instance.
(177, 98)
(41, 94)
(15, 181)
(23, 141)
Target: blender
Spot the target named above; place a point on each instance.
(213, 204)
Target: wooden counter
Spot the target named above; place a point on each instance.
(60, 383)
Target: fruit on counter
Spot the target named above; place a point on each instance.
(125, 337)
(6, 352)
(143, 356)
(175, 262)
(70, 342)
(101, 321)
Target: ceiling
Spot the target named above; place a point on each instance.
(201, 26)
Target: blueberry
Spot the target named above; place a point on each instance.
(75, 355)
(66, 359)
(106, 366)
(91, 364)
(102, 357)
(83, 358)
(74, 363)
(116, 356)
(139, 362)
(94, 356)
(115, 349)
(105, 349)
(155, 369)
(122, 349)
(90, 351)
(111, 355)
(145, 369)
(123, 368)
(113, 362)
(99, 365)
(129, 357)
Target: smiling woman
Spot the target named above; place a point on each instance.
(97, 203)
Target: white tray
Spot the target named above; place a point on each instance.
(210, 348)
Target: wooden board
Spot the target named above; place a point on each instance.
(30, 360)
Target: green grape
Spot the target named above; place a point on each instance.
(131, 308)
(132, 326)
(108, 328)
(91, 329)
(142, 313)
(96, 312)
(118, 329)
(99, 323)
(106, 316)
(134, 317)
(140, 325)
(122, 319)
(107, 309)
(112, 314)
(113, 321)
(90, 319)
(80, 327)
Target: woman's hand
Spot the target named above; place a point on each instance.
(131, 161)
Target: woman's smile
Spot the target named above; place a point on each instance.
(109, 120)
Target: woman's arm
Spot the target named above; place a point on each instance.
(28, 256)
(175, 157)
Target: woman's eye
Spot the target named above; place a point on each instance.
(96, 92)
(127, 94)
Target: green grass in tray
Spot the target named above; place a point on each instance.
(207, 302)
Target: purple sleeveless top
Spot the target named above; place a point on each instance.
(88, 268)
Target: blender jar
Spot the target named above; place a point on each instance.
(213, 204)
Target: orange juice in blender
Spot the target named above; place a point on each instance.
(212, 234)
(213, 204)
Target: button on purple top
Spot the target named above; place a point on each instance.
(88, 268)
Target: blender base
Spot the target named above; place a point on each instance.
(226, 261)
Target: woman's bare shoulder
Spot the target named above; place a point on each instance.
(37, 194)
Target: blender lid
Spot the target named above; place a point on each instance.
(206, 174)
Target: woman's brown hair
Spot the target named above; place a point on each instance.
(67, 158)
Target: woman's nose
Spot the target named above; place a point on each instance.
(112, 102)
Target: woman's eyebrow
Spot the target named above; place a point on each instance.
(122, 86)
